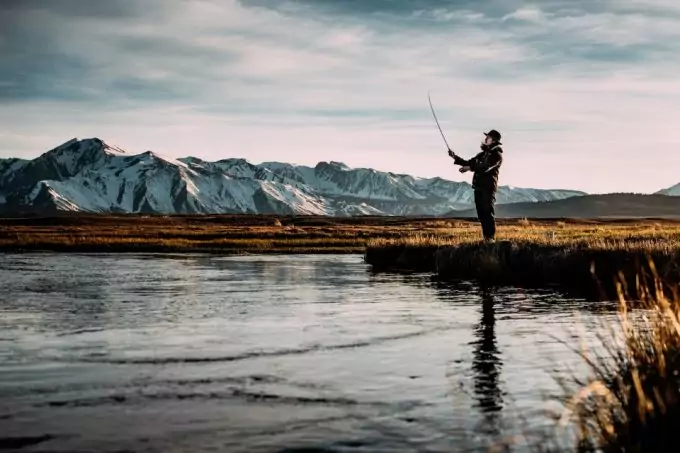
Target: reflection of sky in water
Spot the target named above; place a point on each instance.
(262, 351)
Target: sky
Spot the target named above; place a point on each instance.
(585, 92)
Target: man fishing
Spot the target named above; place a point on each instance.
(485, 166)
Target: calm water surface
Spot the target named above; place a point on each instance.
(270, 353)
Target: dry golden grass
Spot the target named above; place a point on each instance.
(524, 222)
(539, 254)
(558, 233)
(227, 234)
(631, 400)
(278, 234)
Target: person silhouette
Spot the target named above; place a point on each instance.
(486, 166)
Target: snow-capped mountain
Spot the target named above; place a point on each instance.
(672, 191)
(92, 176)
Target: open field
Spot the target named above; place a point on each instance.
(306, 234)
(208, 234)
(311, 234)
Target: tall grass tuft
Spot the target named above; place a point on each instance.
(631, 400)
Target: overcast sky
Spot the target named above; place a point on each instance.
(585, 92)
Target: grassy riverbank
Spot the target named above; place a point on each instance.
(545, 252)
(576, 255)
(303, 234)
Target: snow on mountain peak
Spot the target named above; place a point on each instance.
(281, 166)
(238, 167)
(339, 165)
(90, 175)
(154, 156)
(332, 165)
(73, 157)
(87, 144)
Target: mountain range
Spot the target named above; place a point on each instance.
(90, 175)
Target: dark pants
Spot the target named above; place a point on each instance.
(484, 202)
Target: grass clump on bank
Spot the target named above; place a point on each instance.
(577, 256)
(631, 400)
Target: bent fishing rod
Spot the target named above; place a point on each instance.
(451, 153)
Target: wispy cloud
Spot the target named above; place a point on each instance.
(581, 90)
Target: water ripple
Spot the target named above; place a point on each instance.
(271, 353)
(262, 354)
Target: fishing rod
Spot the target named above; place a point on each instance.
(451, 153)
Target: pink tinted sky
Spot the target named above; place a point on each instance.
(585, 98)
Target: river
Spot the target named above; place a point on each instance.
(272, 353)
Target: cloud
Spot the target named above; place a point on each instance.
(526, 14)
(574, 85)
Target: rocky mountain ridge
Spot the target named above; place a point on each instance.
(90, 175)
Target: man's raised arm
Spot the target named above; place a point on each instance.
(457, 160)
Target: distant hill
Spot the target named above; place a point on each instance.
(589, 206)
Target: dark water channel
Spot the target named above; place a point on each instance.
(271, 353)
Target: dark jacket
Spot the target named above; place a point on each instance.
(485, 165)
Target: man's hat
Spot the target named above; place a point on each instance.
(494, 134)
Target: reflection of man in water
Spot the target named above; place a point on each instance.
(486, 364)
